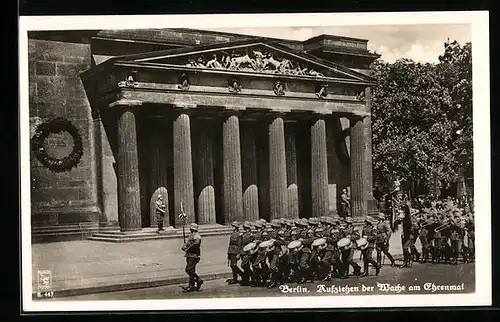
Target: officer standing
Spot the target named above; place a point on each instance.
(345, 204)
(192, 249)
(369, 233)
(382, 242)
(233, 253)
(160, 213)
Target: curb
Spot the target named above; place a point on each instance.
(135, 285)
(126, 286)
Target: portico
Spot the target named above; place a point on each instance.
(238, 131)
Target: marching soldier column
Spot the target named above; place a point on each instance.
(321, 249)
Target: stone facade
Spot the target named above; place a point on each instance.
(90, 192)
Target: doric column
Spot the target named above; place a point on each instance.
(319, 168)
(204, 164)
(183, 170)
(291, 170)
(233, 199)
(358, 199)
(249, 171)
(277, 169)
(368, 175)
(129, 204)
(158, 181)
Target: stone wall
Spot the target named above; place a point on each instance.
(55, 90)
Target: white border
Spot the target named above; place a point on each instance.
(480, 40)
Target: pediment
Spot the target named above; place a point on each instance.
(249, 57)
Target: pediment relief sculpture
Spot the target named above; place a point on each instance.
(254, 61)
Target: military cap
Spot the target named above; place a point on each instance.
(268, 229)
(265, 233)
(381, 215)
(294, 244)
(336, 217)
(262, 220)
(247, 225)
(319, 242)
(258, 224)
(348, 220)
(313, 221)
(193, 226)
(235, 224)
(294, 232)
(319, 230)
(281, 232)
(289, 223)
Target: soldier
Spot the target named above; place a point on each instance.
(275, 227)
(287, 235)
(347, 247)
(320, 265)
(413, 238)
(192, 249)
(345, 204)
(369, 233)
(233, 253)
(456, 237)
(303, 256)
(246, 239)
(259, 266)
(160, 213)
(405, 219)
(382, 242)
(423, 236)
(272, 250)
(469, 228)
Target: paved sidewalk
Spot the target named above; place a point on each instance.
(84, 267)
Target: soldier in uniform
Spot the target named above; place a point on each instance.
(192, 249)
(369, 233)
(246, 258)
(413, 238)
(382, 242)
(423, 236)
(276, 226)
(345, 204)
(347, 257)
(303, 256)
(469, 228)
(456, 237)
(259, 266)
(234, 251)
(405, 219)
(160, 213)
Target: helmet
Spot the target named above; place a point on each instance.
(235, 224)
(348, 220)
(193, 226)
(247, 225)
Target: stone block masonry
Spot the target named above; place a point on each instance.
(56, 91)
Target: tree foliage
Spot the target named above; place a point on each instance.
(422, 117)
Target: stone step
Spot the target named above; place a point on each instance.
(117, 236)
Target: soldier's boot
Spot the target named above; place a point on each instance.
(379, 258)
(190, 287)
(274, 280)
(357, 270)
(234, 280)
(406, 256)
(199, 283)
(377, 267)
(391, 259)
(365, 269)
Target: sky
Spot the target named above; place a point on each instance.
(422, 43)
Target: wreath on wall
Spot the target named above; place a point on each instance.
(54, 126)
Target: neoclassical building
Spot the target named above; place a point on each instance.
(225, 126)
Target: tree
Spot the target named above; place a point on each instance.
(422, 118)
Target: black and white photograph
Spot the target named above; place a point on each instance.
(255, 161)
